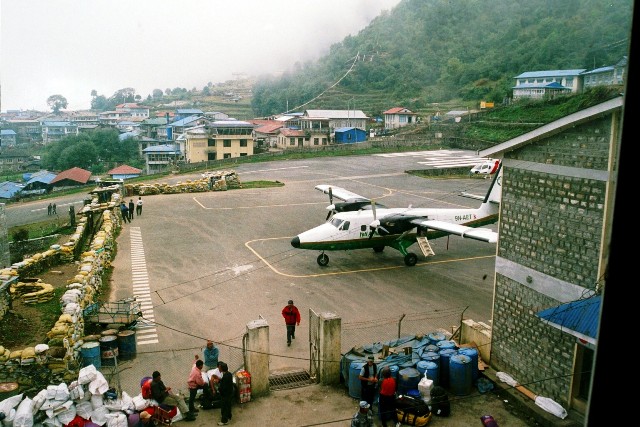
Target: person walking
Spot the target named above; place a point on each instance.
(139, 206)
(291, 316)
(163, 395)
(132, 206)
(368, 380)
(125, 212)
(225, 389)
(195, 383)
(387, 399)
(211, 353)
(49, 209)
(53, 209)
(362, 418)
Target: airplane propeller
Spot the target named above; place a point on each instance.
(331, 207)
(375, 224)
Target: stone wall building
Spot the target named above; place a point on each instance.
(558, 188)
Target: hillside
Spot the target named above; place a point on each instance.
(427, 52)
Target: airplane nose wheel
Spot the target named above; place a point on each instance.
(410, 259)
(323, 259)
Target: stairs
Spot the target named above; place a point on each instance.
(425, 247)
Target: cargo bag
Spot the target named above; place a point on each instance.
(412, 411)
(440, 405)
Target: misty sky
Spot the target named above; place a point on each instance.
(70, 47)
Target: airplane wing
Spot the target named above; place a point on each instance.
(341, 193)
(482, 234)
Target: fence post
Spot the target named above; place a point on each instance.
(400, 324)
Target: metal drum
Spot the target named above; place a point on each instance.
(109, 349)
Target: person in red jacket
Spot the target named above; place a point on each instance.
(291, 319)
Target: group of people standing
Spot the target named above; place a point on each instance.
(369, 383)
(220, 382)
(127, 210)
(52, 209)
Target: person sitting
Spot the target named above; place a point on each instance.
(163, 395)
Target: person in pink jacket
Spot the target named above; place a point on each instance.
(195, 382)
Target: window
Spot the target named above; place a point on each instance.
(211, 142)
(243, 143)
(211, 156)
(226, 143)
(243, 154)
(292, 141)
(316, 141)
(227, 155)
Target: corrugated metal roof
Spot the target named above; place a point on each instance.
(124, 170)
(8, 189)
(579, 318)
(336, 114)
(74, 174)
(41, 176)
(554, 85)
(164, 148)
(551, 73)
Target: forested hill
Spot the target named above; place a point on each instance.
(430, 51)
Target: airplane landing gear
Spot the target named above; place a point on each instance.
(323, 259)
(410, 259)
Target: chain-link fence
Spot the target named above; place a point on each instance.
(357, 334)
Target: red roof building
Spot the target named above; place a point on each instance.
(71, 177)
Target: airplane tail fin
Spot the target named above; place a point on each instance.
(494, 195)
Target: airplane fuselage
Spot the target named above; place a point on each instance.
(350, 230)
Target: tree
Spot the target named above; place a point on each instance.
(100, 103)
(157, 93)
(56, 102)
(94, 93)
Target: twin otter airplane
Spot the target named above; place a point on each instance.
(358, 224)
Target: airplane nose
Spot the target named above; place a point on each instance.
(295, 242)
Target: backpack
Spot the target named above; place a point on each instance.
(412, 411)
(440, 405)
(146, 389)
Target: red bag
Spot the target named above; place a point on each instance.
(146, 389)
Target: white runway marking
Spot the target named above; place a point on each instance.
(146, 332)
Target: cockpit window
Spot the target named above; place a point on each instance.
(336, 222)
(345, 225)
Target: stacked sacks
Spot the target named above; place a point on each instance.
(4, 354)
(33, 292)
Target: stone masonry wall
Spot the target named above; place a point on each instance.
(551, 223)
(584, 146)
(538, 356)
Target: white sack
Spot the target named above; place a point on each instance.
(24, 414)
(117, 419)
(99, 415)
(84, 409)
(96, 401)
(551, 406)
(67, 415)
(10, 402)
(87, 374)
(39, 399)
(99, 385)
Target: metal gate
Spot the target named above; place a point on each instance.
(314, 346)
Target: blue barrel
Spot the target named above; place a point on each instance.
(431, 356)
(345, 366)
(435, 337)
(473, 354)
(90, 352)
(433, 372)
(394, 372)
(408, 379)
(109, 349)
(354, 382)
(444, 365)
(433, 348)
(127, 345)
(447, 344)
(421, 366)
(460, 377)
